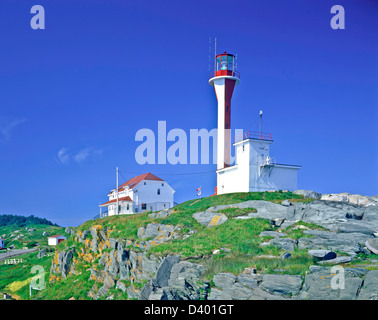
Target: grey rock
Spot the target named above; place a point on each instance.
(94, 245)
(64, 261)
(161, 214)
(260, 294)
(287, 244)
(308, 194)
(239, 292)
(268, 210)
(210, 219)
(286, 203)
(101, 292)
(41, 253)
(323, 283)
(286, 285)
(249, 280)
(355, 228)
(93, 232)
(159, 294)
(278, 222)
(108, 280)
(273, 234)
(372, 245)
(44, 234)
(224, 280)
(369, 289)
(113, 243)
(146, 291)
(216, 294)
(285, 255)
(185, 270)
(69, 230)
(183, 283)
(348, 243)
(114, 266)
(164, 271)
(338, 260)
(133, 293)
(322, 254)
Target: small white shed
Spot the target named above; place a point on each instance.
(2, 243)
(56, 239)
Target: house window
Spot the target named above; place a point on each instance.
(144, 206)
(127, 207)
(144, 183)
(162, 184)
(158, 191)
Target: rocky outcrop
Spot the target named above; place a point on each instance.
(156, 233)
(63, 264)
(321, 283)
(372, 245)
(351, 198)
(308, 194)
(210, 219)
(127, 266)
(176, 280)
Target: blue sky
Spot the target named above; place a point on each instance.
(74, 95)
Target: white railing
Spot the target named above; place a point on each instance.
(13, 261)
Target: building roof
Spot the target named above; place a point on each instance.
(133, 182)
(115, 200)
(56, 236)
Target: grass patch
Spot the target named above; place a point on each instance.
(239, 235)
(202, 204)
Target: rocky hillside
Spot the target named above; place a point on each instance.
(240, 246)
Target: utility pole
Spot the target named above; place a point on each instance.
(117, 192)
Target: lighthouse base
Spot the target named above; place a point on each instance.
(255, 170)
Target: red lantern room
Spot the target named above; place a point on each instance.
(225, 66)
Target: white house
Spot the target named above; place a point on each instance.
(145, 192)
(2, 243)
(56, 239)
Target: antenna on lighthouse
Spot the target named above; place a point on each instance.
(215, 54)
(210, 53)
(261, 122)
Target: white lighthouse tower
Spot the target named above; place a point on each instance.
(224, 79)
(254, 169)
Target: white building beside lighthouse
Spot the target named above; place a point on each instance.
(254, 168)
(145, 192)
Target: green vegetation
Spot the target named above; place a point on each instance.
(15, 279)
(229, 247)
(19, 237)
(22, 221)
(202, 204)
